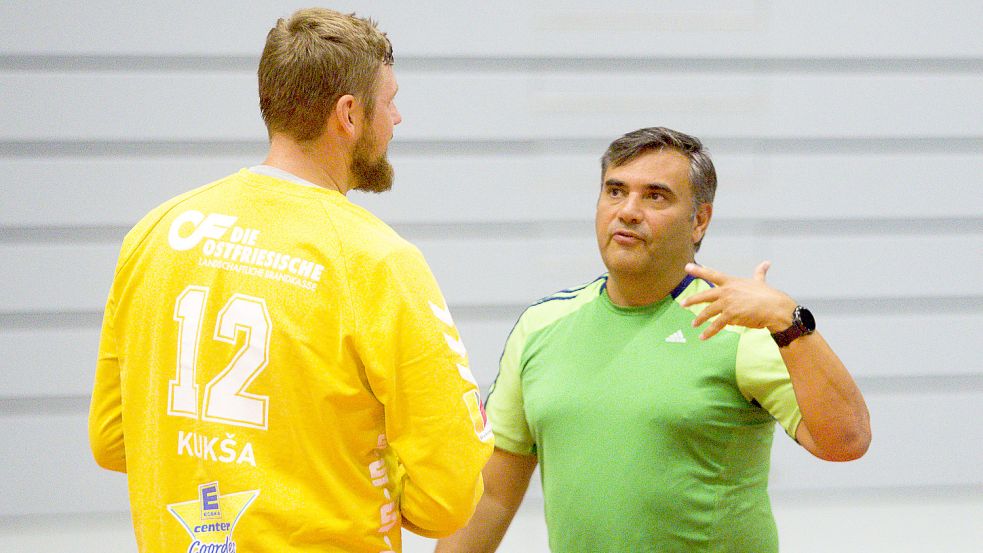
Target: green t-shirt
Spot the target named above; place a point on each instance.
(648, 438)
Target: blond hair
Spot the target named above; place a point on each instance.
(310, 61)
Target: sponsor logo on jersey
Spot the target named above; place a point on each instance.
(676, 338)
(476, 409)
(208, 494)
(211, 519)
(212, 226)
(379, 473)
(227, 247)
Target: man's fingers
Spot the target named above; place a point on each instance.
(708, 313)
(762, 270)
(705, 296)
(706, 273)
(715, 327)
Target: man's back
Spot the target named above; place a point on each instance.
(271, 341)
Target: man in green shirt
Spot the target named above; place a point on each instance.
(650, 394)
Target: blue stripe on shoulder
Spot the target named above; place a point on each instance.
(571, 293)
(539, 302)
(552, 298)
(681, 286)
(685, 283)
(679, 289)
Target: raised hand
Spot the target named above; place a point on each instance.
(747, 302)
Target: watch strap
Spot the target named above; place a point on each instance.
(800, 327)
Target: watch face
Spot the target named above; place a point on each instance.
(807, 319)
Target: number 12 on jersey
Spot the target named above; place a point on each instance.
(226, 399)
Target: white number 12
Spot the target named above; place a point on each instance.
(226, 400)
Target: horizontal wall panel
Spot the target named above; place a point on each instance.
(898, 346)
(104, 106)
(50, 468)
(489, 270)
(869, 266)
(867, 520)
(435, 188)
(719, 28)
(924, 440)
(488, 105)
(909, 432)
(91, 533)
(48, 362)
(725, 28)
(62, 277)
(101, 191)
(854, 105)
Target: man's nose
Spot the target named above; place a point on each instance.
(631, 210)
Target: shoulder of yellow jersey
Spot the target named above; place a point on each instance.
(365, 237)
(149, 222)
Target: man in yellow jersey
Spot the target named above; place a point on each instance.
(278, 370)
(650, 395)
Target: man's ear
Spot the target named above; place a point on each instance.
(701, 220)
(347, 115)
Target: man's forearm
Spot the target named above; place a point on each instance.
(483, 533)
(506, 478)
(833, 409)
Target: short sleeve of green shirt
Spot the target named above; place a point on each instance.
(504, 406)
(763, 378)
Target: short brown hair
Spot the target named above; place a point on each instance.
(702, 175)
(310, 61)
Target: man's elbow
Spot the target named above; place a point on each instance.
(108, 452)
(850, 447)
(109, 461)
(859, 444)
(439, 526)
(439, 519)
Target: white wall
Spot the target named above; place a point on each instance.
(848, 139)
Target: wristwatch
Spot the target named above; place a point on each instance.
(802, 323)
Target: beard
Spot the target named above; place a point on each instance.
(370, 173)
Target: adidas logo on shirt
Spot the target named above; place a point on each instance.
(676, 338)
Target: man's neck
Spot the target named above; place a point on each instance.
(309, 162)
(632, 290)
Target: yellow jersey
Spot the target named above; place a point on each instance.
(278, 371)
